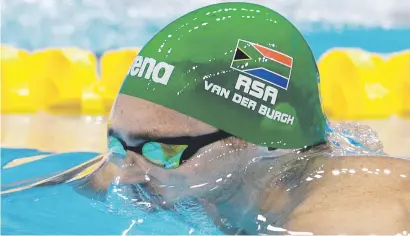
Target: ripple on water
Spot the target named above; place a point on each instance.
(353, 138)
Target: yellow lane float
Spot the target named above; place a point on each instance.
(61, 75)
(397, 68)
(339, 84)
(114, 67)
(16, 82)
(353, 86)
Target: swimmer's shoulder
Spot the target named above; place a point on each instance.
(361, 175)
(368, 162)
(352, 187)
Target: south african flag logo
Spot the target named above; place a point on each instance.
(264, 63)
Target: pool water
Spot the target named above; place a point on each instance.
(60, 210)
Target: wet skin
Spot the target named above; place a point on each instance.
(307, 192)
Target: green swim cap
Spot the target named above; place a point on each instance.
(240, 67)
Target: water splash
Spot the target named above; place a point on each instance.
(354, 138)
(188, 215)
(132, 202)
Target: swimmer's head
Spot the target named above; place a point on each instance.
(211, 91)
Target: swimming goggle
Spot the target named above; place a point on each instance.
(171, 152)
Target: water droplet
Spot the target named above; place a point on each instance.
(336, 172)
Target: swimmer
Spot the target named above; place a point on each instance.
(223, 105)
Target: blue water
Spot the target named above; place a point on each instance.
(370, 39)
(107, 24)
(59, 210)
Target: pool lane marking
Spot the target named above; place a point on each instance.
(85, 172)
(60, 178)
(25, 160)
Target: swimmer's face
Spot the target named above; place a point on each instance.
(208, 172)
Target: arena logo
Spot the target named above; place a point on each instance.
(148, 68)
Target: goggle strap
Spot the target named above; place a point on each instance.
(205, 140)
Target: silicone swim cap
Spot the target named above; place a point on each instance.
(240, 67)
